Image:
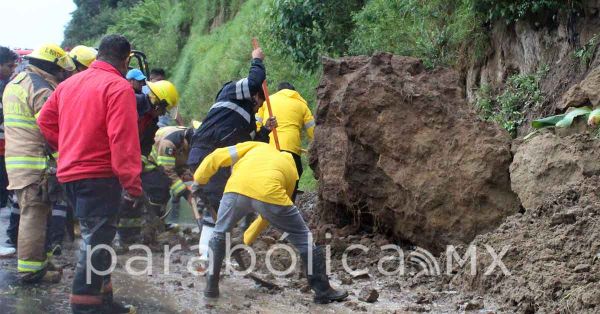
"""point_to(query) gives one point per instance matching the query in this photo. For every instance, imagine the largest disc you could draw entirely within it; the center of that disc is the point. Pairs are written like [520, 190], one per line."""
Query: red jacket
[92, 119]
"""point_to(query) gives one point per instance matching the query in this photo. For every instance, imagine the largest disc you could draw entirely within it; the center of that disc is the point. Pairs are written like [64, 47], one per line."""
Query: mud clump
[554, 246]
[585, 93]
[400, 151]
[544, 164]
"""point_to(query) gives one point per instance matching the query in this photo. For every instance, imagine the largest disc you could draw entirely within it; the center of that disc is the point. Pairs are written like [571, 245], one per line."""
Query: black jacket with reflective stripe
[231, 119]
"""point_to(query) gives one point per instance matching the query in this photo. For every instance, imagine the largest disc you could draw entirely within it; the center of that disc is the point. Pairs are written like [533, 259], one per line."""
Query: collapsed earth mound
[399, 149]
[554, 247]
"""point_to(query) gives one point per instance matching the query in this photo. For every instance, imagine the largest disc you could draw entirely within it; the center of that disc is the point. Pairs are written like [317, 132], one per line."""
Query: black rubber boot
[217, 248]
[109, 305]
[318, 280]
[118, 308]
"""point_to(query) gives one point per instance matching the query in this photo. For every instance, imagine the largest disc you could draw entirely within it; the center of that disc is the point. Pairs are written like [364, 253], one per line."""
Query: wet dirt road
[180, 291]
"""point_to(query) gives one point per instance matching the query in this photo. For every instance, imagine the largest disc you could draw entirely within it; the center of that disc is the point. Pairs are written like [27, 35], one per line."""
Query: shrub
[513, 10]
[307, 29]
[432, 30]
[521, 92]
[586, 53]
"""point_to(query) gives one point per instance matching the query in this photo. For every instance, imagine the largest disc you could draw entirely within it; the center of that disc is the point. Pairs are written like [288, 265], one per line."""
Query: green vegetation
[521, 92]
[92, 18]
[434, 30]
[203, 44]
[586, 53]
[512, 10]
[307, 29]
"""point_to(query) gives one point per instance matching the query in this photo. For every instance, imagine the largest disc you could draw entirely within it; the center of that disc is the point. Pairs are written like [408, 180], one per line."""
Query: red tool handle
[266, 91]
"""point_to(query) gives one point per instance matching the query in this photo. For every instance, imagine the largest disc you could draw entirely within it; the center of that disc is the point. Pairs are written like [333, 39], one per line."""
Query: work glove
[129, 202]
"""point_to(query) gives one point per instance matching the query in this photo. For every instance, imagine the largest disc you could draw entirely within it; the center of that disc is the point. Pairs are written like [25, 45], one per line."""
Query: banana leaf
[547, 121]
[568, 119]
[562, 120]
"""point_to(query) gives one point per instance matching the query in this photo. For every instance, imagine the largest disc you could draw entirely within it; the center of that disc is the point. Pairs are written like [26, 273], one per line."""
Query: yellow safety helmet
[196, 124]
[83, 54]
[54, 54]
[165, 90]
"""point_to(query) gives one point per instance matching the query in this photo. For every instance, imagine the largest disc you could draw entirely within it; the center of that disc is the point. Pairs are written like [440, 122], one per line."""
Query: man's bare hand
[258, 54]
[271, 123]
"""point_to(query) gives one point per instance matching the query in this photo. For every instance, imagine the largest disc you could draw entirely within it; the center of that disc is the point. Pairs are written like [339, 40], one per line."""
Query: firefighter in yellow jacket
[262, 180]
[27, 153]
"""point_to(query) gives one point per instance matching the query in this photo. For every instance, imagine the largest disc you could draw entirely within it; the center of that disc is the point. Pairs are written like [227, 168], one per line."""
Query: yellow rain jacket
[293, 115]
[259, 171]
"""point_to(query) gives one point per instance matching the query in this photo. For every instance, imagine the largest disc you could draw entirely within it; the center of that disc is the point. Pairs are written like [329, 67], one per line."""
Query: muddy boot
[217, 248]
[55, 249]
[318, 280]
[108, 303]
[45, 276]
[116, 307]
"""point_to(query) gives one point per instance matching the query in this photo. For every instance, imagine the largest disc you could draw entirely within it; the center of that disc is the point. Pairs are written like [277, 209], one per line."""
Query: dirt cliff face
[398, 148]
[524, 46]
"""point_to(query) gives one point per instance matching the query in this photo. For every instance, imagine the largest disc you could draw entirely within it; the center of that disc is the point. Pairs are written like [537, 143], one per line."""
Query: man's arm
[248, 86]
[309, 122]
[166, 158]
[222, 157]
[121, 125]
[48, 120]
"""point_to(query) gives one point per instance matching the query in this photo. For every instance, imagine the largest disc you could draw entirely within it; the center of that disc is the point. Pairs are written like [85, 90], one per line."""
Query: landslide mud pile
[399, 149]
[554, 247]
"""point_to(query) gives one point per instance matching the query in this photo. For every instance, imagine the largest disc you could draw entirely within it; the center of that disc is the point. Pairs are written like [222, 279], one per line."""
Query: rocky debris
[418, 308]
[355, 306]
[551, 246]
[582, 268]
[346, 280]
[473, 305]
[399, 150]
[364, 274]
[544, 164]
[368, 294]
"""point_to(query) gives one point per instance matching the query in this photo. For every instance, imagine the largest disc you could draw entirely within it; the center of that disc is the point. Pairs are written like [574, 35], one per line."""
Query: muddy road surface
[177, 288]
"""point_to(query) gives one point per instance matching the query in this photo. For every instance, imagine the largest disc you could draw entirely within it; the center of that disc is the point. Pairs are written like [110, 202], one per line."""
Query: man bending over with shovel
[263, 181]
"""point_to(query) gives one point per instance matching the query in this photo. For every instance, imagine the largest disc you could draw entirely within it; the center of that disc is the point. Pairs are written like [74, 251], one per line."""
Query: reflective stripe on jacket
[231, 118]
[170, 151]
[23, 98]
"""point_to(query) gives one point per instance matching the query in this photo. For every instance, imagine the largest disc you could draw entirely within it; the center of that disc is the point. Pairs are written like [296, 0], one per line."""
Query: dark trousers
[96, 203]
[298, 162]
[55, 227]
[3, 183]
[58, 223]
[13, 225]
